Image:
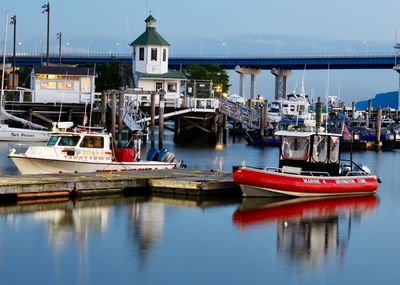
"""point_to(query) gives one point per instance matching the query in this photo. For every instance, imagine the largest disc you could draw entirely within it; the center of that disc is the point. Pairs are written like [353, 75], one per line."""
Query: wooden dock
[179, 181]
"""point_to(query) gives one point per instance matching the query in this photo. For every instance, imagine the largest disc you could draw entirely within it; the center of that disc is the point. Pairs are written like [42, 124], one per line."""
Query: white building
[54, 84]
[150, 63]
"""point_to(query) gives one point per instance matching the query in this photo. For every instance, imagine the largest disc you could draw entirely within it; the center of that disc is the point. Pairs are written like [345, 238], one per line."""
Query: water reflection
[308, 230]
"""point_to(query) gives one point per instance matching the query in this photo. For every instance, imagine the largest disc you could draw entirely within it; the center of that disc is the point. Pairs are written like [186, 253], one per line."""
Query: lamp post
[366, 46]
[46, 9]
[14, 23]
[226, 46]
[59, 37]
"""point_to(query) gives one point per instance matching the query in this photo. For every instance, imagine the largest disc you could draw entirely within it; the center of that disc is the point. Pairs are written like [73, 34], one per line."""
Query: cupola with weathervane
[150, 64]
[150, 50]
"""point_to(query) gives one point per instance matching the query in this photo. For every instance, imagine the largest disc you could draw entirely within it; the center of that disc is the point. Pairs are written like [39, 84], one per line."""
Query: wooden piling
[378, 130]
[121, 104]
[113, 112]
[266, 114]
[353, 110]
[262, 123]
[103, 109]
[161, 120]
[318, 114]
[153, 118]
[224, 129]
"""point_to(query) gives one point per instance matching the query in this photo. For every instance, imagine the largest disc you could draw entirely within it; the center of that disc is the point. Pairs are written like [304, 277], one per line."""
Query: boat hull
[262, 183]
[23, 135]
[27, 166]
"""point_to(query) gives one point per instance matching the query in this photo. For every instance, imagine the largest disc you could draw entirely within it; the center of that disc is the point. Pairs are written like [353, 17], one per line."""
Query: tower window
[154, 54]
[164, 55]
[141, 53]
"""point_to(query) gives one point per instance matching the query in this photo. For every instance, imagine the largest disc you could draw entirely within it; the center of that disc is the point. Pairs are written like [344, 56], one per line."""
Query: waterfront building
[55, 84]
[150, 63]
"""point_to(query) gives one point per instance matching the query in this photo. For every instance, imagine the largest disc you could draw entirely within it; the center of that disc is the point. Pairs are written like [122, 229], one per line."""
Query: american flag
[345, 133]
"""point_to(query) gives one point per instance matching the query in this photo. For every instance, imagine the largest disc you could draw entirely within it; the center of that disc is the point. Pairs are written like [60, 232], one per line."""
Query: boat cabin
[310, 152]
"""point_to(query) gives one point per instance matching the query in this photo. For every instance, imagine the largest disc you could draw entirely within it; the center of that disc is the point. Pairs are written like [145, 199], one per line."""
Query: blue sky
[233, 27]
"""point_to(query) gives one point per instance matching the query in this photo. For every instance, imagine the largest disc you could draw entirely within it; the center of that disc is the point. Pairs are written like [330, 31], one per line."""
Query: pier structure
[281, 76]
[253, 72]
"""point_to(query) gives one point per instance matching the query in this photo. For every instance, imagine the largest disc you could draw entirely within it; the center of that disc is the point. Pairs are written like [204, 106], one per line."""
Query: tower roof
[150, 36]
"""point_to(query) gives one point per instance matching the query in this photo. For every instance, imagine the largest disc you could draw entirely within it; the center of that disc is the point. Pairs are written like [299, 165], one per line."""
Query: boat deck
[181, 181]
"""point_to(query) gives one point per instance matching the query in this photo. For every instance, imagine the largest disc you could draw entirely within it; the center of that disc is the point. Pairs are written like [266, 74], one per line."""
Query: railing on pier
[248, 117]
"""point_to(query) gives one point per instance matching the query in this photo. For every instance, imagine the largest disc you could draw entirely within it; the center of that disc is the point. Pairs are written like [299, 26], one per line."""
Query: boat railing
[315, 173]
[357, 173]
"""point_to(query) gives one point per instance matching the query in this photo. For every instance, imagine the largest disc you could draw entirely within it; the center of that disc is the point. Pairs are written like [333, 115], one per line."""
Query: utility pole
[46, 9]
[59, 37]
[14, 22]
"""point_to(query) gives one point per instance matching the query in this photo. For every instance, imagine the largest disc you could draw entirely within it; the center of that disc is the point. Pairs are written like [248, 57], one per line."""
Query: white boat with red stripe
[83, 151]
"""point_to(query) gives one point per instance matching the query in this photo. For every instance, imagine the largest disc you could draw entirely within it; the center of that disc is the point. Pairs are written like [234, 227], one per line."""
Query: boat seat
[291, 169]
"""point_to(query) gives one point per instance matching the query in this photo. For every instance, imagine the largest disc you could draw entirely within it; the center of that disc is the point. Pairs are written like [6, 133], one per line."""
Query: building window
[141, 53]
[164, 55]
[85, 84]
[159, 85]
[65, 85]
[153, 54]
[48, 85]
[171, 87]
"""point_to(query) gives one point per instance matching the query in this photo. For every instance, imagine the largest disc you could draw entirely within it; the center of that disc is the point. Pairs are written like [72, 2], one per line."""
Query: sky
[216, 27]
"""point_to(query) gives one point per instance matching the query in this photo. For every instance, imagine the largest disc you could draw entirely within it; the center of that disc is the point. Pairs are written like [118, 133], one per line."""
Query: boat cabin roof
[285, 133]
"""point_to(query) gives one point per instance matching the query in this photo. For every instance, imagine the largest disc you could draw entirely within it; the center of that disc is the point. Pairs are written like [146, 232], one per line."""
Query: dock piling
[161, 121]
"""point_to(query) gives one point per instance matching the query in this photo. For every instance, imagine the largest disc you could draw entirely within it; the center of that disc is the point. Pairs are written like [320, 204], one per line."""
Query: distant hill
[381, 100]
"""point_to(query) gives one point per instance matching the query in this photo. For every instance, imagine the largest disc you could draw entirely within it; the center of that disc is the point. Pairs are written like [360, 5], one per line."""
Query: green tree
[208, 72]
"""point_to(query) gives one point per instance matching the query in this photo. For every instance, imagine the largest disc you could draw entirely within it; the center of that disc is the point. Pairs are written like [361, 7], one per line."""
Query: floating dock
[177, 181]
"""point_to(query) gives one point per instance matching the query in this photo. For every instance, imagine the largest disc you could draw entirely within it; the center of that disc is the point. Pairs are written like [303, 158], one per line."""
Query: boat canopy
[310, 147]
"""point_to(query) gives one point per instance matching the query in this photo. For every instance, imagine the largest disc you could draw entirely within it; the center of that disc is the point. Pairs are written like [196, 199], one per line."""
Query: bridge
[283, 61]
[281, 65]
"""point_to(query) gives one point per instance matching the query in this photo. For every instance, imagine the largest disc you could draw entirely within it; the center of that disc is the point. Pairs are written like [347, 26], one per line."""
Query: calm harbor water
[171, 240]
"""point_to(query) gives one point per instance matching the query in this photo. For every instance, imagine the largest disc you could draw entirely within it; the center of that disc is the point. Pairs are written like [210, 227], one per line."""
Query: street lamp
[226, 46]
[59, 37]
[46, 9]
[366, 46]
[14, 23]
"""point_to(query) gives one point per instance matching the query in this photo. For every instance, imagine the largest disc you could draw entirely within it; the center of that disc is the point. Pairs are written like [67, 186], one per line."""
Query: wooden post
[353, 110]
[153, 118]
[224, 129]
[367, 119]
[161, 106]
[113, 113]
[378, 130]
[120, 117]
[103, 108]
[266, 114]
[318, 114]
[262, 123]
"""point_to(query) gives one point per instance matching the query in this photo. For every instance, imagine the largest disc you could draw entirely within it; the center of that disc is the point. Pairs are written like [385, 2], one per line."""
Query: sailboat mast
[4, 62]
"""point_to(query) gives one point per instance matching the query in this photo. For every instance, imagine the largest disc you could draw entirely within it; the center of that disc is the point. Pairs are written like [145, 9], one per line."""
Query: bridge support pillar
[281, 82]
[247, 71]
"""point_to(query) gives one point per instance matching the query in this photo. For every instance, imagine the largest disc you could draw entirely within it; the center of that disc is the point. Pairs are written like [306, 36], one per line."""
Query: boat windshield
[52, 141]
[68, 140]
[334, 149]
[295, 148]
[92, 142]
[320, 149]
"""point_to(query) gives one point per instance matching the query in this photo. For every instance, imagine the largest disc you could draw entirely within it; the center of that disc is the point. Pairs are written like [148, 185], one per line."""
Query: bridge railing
[237, 56]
